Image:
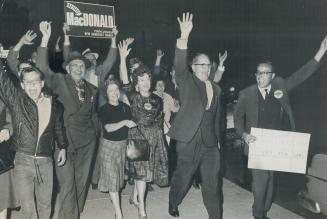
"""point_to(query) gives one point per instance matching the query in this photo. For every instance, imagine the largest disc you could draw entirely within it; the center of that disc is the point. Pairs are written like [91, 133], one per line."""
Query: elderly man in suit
[267, 105]
[195, 127]
[80, 117]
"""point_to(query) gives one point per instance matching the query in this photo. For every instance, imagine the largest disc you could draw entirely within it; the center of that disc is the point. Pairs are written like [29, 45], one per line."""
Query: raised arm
[42, 60]
[8, 91]
[308, 69]
[12, 59]
[123, 53]
[220, 69]
[180, 60]
[103, 69]
[156, 68]
[66, 48]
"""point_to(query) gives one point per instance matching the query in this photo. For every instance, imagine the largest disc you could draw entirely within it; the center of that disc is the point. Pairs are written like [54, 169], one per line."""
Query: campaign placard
[279, 150]
[89, 20]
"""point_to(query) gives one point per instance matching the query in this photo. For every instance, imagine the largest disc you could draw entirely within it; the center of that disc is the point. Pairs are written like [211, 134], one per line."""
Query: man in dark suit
[79, 100]
[267, 105]
[195, 127]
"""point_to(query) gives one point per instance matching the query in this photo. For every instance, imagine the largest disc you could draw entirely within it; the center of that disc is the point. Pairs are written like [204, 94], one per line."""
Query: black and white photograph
[162, 109]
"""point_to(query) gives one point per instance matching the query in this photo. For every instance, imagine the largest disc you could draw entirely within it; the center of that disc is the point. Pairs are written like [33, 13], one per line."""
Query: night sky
[288, 32]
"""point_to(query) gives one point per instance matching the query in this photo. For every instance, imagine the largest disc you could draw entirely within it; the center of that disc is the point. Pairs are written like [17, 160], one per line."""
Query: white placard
[279, 150]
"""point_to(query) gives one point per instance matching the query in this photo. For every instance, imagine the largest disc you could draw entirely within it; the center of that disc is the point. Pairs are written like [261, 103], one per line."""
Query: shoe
[173, 210]
[94, 186]
[150, 188]
[142, 216]
[132, 202]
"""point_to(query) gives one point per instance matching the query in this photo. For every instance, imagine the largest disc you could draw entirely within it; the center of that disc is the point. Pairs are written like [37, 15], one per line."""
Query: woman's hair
[28, 70]
[140, 72]
[107, 83]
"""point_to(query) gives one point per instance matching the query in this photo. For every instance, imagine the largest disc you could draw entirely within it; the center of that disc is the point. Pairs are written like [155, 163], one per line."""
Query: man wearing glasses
[195, 127]
[266, 105]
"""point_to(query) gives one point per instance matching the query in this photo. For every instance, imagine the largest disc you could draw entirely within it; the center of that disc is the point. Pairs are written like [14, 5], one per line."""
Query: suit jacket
[78, 134]
[193, 99]
[246, 110]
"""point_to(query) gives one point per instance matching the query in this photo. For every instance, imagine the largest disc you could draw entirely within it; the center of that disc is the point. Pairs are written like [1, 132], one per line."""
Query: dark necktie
[266, 94]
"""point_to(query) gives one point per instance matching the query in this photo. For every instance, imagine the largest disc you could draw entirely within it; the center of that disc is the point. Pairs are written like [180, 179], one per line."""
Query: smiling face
[160, 87]
[144, 83]
[264, 75]
[113, 93]
[32, 84]
[76, 69]
[201, 66]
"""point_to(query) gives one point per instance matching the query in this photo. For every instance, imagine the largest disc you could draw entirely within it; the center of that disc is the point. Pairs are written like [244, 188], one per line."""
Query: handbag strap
[140, 132]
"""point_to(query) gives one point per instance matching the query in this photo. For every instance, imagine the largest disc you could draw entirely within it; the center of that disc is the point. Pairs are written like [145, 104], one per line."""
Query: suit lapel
[255, 104]
[73, 93]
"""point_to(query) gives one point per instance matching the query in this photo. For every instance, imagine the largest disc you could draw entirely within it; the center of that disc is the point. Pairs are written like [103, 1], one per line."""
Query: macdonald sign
[89, 20]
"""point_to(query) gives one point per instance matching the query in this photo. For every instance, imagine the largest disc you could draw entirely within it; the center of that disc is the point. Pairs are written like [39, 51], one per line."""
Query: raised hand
[27, 38]
[323, 45]
[185, 25]
[222, 58]
[129, 40]
[123, 49]
[160, 53]
[45, 28]
[65, 28]
[115, 31]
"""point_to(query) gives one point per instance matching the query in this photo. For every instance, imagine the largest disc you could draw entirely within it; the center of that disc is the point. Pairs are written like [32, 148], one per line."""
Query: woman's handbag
[6, 157]
[138, 149]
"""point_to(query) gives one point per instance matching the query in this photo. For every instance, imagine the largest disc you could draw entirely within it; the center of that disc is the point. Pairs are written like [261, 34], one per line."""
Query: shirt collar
[262, 90]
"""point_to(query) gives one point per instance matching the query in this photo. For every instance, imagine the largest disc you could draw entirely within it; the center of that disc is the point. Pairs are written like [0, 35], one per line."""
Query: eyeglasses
[263, 73]
[32, 83]
[202, 64]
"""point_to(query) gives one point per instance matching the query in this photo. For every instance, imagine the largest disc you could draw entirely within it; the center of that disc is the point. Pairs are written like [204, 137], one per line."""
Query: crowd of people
[77, 125]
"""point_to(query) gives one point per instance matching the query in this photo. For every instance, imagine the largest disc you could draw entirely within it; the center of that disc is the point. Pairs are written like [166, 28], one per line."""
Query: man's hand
[322, 50]
[129, 123]
[160, 53]
[4, 135]
[129, 40]
[27, 38]
[323, 45]
[185, 25]
[248, 138]
[123, 49]
[115, 31]
[45, 28]
[222, 58]
[61, 157]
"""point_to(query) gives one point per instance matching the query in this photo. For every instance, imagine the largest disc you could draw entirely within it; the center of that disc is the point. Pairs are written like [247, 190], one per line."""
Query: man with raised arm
[79, 100]
[37, 120]
[195, 127]
[266, 105]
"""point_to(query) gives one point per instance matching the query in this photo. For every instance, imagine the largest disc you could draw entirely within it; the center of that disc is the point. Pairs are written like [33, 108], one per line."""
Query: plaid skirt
[112, 161]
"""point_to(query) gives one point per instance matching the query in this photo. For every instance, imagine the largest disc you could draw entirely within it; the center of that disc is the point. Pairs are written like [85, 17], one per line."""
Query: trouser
[34, 180]
[73, 180]
[262, 188]
[190, 157]
[96, 166]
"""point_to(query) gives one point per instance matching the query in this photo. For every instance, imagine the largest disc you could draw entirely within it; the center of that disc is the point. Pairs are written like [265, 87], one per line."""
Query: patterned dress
[147, 113]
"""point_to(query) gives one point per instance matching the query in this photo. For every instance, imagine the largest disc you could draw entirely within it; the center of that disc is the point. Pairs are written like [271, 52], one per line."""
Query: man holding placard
[266, 105]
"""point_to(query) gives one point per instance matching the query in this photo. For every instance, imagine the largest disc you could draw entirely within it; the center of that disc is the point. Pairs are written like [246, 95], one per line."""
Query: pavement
[237, 205]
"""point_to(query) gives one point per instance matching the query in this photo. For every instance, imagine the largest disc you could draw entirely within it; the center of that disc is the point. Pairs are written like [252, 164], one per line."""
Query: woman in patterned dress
[146, 109]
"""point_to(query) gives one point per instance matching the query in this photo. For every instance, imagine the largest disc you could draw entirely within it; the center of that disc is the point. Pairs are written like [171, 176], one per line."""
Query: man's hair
[29, 70]
[196, 57]
[269, 63]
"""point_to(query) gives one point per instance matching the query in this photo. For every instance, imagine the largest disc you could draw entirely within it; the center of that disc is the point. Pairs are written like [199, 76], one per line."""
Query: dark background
[288, 32]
